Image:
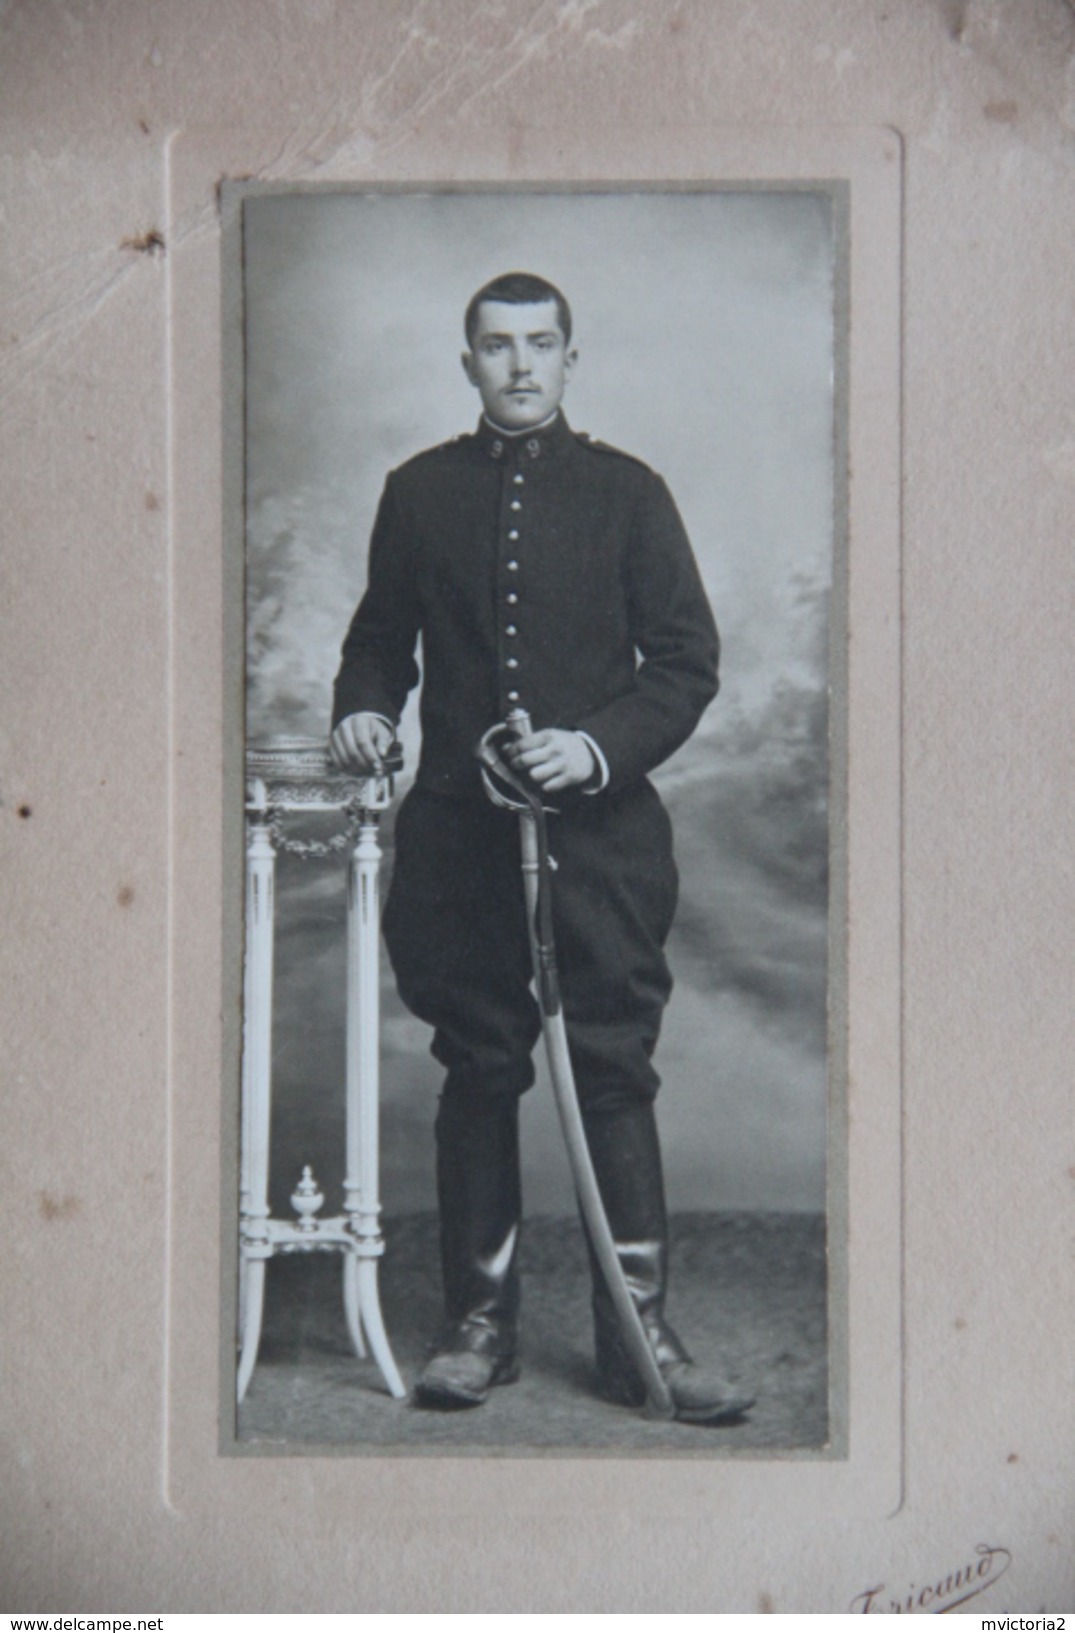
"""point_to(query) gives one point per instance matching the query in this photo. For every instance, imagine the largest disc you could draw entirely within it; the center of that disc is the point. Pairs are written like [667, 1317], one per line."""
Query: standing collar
[519, 447]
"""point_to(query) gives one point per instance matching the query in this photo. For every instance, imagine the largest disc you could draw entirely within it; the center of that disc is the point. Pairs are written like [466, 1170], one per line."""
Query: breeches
[456, 932]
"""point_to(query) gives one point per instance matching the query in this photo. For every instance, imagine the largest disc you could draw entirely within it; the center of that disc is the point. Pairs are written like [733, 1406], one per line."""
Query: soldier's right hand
[360, 742]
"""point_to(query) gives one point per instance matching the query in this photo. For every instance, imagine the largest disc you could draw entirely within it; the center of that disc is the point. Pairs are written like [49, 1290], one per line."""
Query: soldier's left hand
[553, 759]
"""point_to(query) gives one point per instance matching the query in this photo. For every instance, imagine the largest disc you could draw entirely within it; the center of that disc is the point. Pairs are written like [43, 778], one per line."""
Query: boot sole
[720, 1412]
[443, 1398]
[731, 1412]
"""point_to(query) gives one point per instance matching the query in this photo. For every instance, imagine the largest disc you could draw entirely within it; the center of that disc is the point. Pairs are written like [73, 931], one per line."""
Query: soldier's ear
[467, 360]
[570, 359]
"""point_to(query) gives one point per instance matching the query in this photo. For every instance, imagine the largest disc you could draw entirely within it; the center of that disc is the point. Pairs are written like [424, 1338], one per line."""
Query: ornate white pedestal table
[291, 777]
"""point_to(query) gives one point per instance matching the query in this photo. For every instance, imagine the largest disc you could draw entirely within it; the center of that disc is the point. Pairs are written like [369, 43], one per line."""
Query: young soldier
[547, 573]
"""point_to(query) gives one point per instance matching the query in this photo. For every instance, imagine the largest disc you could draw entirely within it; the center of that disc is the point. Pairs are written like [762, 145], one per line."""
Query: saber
[537, 885]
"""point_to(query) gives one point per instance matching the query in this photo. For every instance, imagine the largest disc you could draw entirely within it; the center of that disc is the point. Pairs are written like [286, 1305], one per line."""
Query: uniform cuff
[386, 719]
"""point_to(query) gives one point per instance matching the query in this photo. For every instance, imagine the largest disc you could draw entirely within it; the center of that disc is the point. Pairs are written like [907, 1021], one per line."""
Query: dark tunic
[550, 573]
[537, 571]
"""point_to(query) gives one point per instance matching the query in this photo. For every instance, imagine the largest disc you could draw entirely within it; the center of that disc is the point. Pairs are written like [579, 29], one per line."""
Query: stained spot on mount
[125, 895]
[152, 502]
[957, 19]
[57, 1207]
[145, 243]
[1002, 113]
[25, 811]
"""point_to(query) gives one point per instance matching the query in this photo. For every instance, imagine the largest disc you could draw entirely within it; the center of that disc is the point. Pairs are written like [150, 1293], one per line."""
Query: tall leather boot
[478, 1193]
[626, 1155]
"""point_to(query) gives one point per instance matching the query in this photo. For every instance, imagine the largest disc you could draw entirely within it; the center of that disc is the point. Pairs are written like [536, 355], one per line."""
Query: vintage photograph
[600, 1148]
[542, 1061]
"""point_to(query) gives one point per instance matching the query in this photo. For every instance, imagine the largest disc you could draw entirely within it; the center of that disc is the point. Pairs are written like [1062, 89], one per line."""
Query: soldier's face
[520, 363]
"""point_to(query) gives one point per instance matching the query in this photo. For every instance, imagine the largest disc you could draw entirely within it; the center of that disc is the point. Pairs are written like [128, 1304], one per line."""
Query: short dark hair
[518, 289]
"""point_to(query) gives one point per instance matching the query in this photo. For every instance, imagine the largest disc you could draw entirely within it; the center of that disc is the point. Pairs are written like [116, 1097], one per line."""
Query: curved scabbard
[537, 884]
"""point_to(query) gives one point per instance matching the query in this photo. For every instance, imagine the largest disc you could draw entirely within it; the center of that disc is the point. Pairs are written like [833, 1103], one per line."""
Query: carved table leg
[360, 1198]
[254, 1245]
[350, 1303]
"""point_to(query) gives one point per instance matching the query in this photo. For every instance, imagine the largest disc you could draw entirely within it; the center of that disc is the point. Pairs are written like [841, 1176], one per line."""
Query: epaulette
[606, 448]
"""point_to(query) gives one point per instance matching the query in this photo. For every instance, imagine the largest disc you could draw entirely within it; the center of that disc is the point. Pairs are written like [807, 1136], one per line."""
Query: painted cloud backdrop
[704, 327]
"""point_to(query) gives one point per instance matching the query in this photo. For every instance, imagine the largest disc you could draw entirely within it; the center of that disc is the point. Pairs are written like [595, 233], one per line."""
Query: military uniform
[547, 572]
[534, 567]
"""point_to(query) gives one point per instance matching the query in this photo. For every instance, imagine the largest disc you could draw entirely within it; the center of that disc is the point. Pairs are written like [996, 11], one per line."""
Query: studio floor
[748, 1291]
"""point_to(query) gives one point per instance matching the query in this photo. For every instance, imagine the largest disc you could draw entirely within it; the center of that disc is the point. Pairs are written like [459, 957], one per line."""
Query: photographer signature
[944, 1594]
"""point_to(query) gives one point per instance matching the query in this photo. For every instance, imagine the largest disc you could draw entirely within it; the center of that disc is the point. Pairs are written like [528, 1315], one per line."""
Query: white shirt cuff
[599, 761]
